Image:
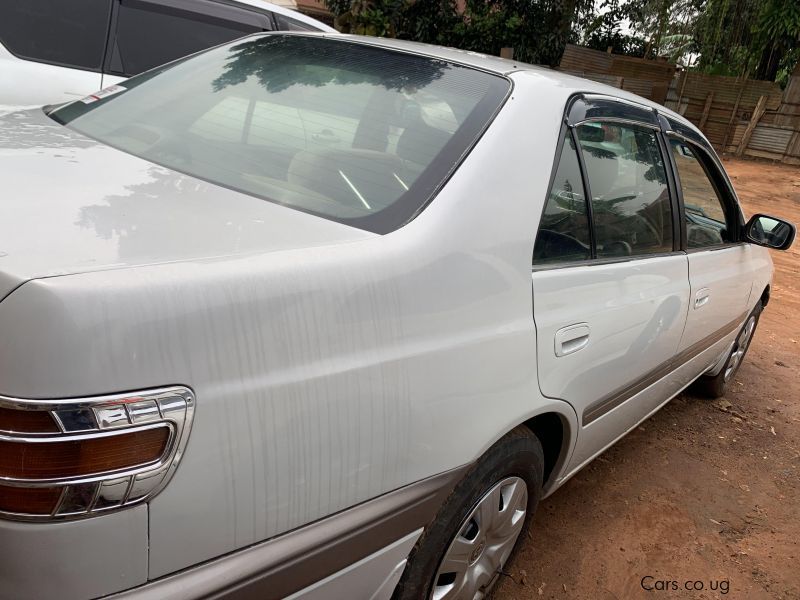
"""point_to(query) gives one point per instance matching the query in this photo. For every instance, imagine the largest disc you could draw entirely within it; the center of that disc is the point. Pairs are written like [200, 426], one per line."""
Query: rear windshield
[343, 130]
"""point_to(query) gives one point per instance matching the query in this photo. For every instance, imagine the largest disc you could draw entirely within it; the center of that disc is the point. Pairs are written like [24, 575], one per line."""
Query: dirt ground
[704, 493]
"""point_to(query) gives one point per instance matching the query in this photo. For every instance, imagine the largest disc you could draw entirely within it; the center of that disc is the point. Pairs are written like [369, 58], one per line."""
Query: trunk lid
[70, 204]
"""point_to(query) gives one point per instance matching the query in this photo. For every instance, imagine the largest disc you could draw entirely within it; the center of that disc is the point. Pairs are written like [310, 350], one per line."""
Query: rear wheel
[465, 549]
[715, 386]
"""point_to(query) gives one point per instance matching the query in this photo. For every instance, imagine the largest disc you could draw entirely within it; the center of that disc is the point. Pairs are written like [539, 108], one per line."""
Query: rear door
[610, 283]
[719, 271]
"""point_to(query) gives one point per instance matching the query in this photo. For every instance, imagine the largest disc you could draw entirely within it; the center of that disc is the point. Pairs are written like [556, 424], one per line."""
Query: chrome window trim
[171, 407]
[716, 247]
[591, 262]
[618, 120]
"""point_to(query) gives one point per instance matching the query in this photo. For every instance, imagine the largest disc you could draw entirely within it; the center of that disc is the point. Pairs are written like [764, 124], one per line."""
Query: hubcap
[740, 347]
[483, 543]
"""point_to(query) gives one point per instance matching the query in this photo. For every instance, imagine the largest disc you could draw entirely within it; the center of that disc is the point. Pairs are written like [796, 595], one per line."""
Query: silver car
[317, 316]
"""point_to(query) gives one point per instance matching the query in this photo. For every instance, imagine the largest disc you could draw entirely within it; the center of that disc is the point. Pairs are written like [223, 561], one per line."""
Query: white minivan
[55, 51]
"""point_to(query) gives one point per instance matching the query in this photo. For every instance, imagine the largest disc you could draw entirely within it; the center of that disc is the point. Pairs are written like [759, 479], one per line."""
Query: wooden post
[706, 110]
[685, 76]
[507, 53]
[792, 154]
[731, 124]
[757, 114]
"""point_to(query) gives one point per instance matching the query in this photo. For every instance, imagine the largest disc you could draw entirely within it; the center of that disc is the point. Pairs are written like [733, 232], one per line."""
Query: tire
[514, 463]
[715, 386]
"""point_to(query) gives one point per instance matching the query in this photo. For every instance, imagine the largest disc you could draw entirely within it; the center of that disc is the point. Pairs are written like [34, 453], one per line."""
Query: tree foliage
[756, 38]
[537, 30]
[600, 27]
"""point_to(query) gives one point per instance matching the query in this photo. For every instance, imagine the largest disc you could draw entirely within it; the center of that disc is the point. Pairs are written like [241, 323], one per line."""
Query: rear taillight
[75, 458]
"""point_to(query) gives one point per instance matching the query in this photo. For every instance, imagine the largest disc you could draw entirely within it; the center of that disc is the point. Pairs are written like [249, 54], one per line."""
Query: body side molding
[599, 408]
[295, 560]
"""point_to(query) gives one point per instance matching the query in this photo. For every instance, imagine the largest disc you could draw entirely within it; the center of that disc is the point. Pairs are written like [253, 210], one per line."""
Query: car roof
[501, 66]
[288, 12]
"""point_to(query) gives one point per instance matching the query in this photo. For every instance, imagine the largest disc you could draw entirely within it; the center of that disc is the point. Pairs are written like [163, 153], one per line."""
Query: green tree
[368, 17]
[776, 37]
[662, 25]
[537, 30]
[599, 26]
[758, 38]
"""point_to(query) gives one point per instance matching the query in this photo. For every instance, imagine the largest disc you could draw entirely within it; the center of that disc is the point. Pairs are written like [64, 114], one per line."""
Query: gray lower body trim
[295, 560]
[608, 403]
[374, 577]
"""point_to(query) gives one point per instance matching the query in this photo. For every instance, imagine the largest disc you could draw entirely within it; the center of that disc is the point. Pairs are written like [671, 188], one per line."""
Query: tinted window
[151, 35]
[564, 228]
[628, 182]
[288, 24]
[56, 31]
[354, 133]
[705, 212]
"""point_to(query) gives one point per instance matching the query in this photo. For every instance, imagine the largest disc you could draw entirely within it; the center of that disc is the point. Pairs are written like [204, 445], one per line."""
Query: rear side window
[706, 223]
[564, 230]
[149, 35]
[68, 33]
[631, 208]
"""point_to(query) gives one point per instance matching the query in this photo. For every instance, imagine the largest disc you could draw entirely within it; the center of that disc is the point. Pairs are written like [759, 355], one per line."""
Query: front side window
[564, 228]
[149, 35]
[350, 132]
[632, 212]
[703, 206]
[71, 34]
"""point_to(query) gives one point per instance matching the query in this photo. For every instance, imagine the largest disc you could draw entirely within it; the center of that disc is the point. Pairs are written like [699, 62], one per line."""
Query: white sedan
[319, 316]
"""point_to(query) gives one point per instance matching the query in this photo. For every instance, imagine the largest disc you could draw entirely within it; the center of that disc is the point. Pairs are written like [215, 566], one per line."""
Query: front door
[719, 270]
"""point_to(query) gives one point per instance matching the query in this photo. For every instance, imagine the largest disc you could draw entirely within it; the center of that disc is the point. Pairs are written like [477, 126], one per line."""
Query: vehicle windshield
[347, 131]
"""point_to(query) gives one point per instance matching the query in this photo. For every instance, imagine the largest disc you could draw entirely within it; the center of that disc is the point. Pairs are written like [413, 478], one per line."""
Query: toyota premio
[316, 316]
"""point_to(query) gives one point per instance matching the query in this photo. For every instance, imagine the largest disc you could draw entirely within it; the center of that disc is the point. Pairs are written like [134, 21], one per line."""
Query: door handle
[571, 339]
[702, 297]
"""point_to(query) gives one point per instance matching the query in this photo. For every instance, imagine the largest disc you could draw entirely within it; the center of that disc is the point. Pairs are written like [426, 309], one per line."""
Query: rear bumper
[74, 560]
[357, 553]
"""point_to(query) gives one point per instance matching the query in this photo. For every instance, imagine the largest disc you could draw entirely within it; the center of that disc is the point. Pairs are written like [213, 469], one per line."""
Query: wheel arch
[765, 296]
[555, 434]
[556, 425]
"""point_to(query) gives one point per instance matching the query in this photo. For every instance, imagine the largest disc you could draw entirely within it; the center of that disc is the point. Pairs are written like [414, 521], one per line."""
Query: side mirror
[770, 232]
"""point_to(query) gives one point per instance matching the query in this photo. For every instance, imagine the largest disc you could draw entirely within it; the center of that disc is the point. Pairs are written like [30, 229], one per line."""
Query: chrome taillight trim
[102, 416]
